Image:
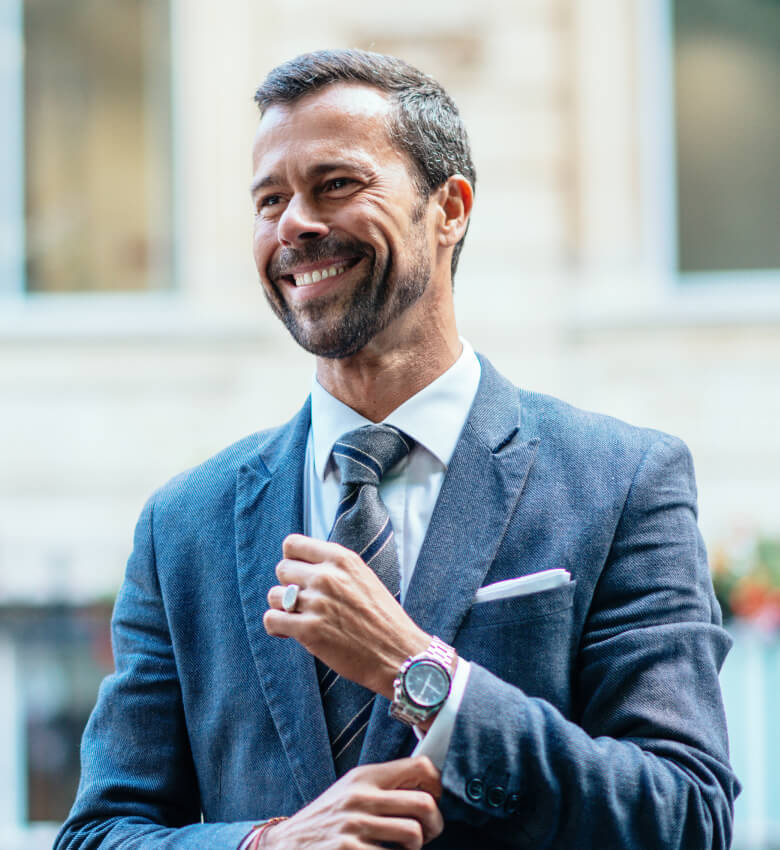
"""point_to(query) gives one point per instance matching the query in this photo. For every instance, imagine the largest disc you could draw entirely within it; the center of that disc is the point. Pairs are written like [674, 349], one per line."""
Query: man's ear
[455, 198]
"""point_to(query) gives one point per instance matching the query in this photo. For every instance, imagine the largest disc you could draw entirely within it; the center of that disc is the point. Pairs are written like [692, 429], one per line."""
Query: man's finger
[281, 624]
[397, 832]
[419, 805]
[290, 571]
[412, 773]
[422, 774]
[299, 547]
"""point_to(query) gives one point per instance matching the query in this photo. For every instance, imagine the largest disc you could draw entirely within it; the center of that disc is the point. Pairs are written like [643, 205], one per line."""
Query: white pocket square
[521, 586]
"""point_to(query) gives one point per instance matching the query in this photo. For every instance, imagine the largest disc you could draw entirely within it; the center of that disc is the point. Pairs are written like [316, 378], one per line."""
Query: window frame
[642, 286]
[656, 40]
[213, 295]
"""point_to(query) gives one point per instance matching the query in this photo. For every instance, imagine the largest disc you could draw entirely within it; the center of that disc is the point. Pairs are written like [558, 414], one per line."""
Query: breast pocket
[525, 640]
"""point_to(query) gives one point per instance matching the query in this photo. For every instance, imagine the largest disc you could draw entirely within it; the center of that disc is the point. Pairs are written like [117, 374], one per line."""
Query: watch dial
[426, 683]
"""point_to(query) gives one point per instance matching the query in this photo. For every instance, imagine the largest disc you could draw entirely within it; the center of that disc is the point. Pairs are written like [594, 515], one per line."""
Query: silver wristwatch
[423, 684]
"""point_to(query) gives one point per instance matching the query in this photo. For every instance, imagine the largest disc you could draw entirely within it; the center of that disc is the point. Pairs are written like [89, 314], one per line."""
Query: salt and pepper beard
[376, 300]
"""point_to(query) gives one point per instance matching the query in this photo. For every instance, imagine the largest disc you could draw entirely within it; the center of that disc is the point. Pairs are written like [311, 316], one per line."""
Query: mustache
[314, 252]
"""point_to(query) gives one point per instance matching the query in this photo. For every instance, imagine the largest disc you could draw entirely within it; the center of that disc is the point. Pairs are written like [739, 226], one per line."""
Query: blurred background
[624, 254]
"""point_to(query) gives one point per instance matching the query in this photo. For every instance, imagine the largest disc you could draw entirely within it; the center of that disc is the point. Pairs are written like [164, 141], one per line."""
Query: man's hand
[344, 614]
[394, 802]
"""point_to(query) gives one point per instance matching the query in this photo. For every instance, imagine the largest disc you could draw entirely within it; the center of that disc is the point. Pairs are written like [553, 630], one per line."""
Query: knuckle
[357, 798]
[319, 582]
[350, 559]
[358, 772]
[428, 806]
[435, 822]
[413, 834]
[427, 767]
[357, 824]
[326, 582]
[315, 603]
[339, 552]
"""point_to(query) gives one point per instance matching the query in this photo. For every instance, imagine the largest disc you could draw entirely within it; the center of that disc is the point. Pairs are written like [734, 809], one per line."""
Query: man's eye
[267, 205]
[338, 183]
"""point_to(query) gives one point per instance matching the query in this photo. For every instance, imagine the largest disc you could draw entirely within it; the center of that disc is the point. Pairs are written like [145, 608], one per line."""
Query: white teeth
[316, 276]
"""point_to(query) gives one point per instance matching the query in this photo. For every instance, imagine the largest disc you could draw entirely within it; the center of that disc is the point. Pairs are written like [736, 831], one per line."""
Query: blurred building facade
[624, 254]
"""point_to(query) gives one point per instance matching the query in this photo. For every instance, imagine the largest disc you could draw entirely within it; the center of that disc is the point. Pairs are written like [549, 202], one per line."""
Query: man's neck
[374, 382]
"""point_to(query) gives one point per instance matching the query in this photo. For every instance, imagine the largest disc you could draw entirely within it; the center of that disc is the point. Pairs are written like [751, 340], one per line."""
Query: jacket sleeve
[138, 785]
[643, 762]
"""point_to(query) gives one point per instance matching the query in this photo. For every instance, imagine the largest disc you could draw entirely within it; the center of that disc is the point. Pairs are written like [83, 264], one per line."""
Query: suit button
[512, 804]
[475, 789]
[496, 796]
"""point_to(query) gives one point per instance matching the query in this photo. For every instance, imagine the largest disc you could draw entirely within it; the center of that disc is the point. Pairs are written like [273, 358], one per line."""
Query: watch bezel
[403, 706]
[440, 668]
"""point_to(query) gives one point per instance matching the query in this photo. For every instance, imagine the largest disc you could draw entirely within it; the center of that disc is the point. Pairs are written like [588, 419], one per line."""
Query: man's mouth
[315, 275]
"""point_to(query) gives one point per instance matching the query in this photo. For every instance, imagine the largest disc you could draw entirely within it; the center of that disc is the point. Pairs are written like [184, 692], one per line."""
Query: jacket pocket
[516, 609]
[526, 640]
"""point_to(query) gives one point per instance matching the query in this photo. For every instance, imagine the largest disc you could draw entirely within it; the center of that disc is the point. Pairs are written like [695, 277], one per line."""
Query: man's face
[343, 239]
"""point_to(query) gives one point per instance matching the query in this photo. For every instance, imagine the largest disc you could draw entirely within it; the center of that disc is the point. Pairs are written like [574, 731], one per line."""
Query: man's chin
[333, 345]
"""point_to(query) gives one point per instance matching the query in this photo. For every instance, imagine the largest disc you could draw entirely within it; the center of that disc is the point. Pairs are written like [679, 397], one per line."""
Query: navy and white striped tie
[362, 524]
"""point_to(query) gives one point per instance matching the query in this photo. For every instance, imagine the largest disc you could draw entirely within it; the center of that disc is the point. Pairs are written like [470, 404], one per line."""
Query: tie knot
[364, 455]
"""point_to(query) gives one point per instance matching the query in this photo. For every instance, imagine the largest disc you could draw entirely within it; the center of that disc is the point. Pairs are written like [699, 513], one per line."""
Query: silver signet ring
[290, 597]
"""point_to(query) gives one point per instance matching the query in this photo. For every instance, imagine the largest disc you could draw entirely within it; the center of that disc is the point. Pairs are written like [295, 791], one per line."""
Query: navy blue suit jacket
[592, 717]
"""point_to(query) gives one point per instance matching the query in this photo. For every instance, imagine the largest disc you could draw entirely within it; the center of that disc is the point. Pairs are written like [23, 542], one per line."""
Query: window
[726, 58]
[60, 654]
[97, 162]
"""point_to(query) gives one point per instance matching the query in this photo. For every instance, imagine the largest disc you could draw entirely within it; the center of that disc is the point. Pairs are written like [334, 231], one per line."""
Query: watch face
[426, 683]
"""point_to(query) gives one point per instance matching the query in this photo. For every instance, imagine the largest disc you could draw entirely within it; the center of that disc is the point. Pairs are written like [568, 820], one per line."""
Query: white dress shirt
[434, 418]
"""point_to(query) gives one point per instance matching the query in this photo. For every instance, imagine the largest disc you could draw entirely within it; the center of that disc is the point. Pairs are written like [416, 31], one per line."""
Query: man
[575, 706]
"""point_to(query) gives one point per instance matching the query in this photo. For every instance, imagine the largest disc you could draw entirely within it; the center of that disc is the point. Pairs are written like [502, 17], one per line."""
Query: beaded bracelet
[260, 830]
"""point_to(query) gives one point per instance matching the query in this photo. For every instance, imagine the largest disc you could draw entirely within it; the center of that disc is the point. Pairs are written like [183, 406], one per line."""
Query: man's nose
[299, 222]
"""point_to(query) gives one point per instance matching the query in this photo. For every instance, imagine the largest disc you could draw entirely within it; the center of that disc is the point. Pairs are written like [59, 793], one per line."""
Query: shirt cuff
[247, 838]
[436, 741]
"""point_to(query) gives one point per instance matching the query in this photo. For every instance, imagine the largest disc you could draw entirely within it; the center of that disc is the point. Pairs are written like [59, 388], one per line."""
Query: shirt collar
[434, 416]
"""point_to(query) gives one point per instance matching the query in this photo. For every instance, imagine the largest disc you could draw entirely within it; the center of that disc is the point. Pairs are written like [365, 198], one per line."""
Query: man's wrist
[256, 838]
[412, 645]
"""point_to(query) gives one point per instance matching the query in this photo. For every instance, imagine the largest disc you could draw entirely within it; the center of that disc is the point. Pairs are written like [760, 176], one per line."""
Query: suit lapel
[269, 506]
[479, 494]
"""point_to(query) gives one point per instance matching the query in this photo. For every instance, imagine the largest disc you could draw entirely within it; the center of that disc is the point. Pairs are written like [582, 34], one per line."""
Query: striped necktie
[362, 524]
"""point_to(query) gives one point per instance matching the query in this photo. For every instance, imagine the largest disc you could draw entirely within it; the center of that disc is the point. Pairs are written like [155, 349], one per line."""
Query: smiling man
[342, 241]
[431, 608]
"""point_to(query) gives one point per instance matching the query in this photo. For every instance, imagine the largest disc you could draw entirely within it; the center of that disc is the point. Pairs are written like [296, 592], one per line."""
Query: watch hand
[427, 684]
